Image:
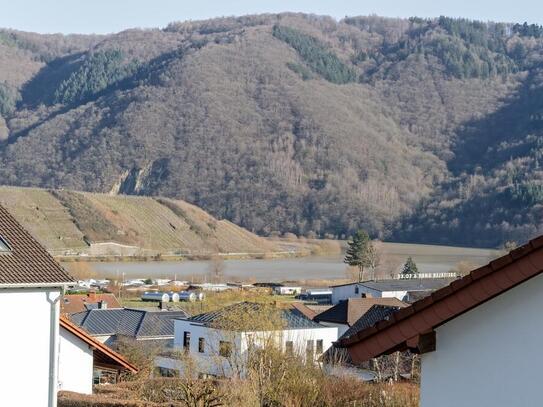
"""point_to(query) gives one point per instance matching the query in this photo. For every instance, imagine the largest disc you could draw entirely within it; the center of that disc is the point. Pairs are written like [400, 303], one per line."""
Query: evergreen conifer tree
[410, 267]
[360, 252]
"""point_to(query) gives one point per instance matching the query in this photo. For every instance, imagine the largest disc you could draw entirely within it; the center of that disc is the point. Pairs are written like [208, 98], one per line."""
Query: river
[428, 259]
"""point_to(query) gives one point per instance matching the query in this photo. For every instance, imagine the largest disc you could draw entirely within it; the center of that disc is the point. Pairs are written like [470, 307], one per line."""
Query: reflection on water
[304, 268]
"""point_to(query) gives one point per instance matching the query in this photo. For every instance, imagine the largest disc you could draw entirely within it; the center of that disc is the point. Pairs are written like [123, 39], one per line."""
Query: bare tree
[216, 269]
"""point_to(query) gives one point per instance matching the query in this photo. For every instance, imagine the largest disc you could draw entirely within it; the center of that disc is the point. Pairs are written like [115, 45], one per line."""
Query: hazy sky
[104, 16]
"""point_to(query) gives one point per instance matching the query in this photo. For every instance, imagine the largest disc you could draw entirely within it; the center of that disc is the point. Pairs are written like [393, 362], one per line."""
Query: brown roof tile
[73, 303]
[27, 262]
[447, 303]
[305, 310]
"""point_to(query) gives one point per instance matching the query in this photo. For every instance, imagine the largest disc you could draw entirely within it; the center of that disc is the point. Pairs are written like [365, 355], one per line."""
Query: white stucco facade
[489, 356]
[75, 364]
[210, 362]
[344, 292]
[341, 328]
[26, 319]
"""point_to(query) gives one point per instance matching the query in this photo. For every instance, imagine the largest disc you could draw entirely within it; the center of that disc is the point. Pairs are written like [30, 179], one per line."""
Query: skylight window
[4, 246]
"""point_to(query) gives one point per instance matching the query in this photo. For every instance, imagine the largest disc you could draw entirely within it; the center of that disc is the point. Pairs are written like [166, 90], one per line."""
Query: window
[319, 346]
[165, 372]
[104, 376]
[186, 340]
[356, 289]
[225, 349]
[4, 246]
[309, 350]
[289, 347]
[201, 345]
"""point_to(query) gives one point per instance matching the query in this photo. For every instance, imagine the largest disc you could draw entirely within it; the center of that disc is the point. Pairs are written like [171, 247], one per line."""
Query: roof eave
[39, 285]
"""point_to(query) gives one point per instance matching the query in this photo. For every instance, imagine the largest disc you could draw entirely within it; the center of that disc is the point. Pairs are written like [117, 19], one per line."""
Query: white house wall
[75, 364]
[490, 356]
[343, 292]
[349, 291]
[26, 325]
[341, 328]
[210, 362]
[394, 294]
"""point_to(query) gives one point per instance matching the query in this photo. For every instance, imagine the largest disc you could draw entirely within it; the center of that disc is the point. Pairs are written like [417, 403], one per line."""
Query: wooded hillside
[423, 130]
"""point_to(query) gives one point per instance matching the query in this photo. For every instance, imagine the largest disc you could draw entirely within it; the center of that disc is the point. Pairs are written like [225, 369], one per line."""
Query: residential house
[347, 312]
[479, 337]
[31, 287]
[218, 351]
[398, 288]
[85, 361]
[337, 360]
[72, 303]
[110, 325]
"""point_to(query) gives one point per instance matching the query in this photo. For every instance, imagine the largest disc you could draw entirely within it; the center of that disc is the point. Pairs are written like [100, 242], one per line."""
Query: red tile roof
[305, 310]
[101, 352]
[26, 262]
[73, 303]
[405, 327]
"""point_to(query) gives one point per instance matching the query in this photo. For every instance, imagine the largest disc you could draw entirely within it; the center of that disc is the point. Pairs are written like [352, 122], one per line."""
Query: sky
[106, 16]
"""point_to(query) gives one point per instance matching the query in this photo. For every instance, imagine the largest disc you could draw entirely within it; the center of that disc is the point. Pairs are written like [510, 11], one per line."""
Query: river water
[428, 259]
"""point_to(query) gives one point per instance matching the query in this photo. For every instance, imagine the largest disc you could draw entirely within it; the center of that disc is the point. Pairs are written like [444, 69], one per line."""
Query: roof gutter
[39, 285]
[53, 347]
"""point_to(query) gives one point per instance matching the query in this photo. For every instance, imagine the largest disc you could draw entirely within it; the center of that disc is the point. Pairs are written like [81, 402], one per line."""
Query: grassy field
[67, 221]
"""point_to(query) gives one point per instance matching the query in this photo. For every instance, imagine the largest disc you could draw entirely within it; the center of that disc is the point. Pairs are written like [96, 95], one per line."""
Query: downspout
[53, 348]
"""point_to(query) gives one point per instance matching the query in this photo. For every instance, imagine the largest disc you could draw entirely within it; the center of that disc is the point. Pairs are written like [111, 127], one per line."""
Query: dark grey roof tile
[128, 322]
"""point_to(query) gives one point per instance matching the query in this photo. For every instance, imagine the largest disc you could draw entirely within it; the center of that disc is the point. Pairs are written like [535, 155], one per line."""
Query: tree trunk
[396, 366]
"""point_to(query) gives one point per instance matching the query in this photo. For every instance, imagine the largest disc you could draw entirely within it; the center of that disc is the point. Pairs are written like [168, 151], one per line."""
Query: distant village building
[210, 287]
[398, 288]
[479, 337]
[31, 286]
[213, 348]
[84, 361]
[287, 290]
[318, 295]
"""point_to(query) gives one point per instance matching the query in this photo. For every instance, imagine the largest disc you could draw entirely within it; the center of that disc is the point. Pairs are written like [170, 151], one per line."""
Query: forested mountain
[424, 130]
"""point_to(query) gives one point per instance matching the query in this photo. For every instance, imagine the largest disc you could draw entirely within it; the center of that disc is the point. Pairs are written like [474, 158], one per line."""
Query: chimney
[102, 304]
